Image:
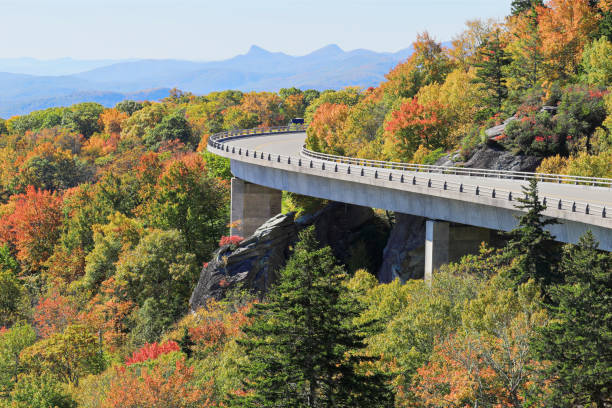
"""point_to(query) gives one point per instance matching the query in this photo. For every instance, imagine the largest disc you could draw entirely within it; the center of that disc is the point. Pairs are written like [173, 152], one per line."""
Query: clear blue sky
[212, 30]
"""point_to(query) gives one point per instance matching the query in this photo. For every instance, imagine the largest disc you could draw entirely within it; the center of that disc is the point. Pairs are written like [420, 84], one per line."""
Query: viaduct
[266, 162]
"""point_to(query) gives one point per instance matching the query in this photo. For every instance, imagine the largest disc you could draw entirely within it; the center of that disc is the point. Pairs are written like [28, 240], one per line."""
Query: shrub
[230, 240]
[150, 351]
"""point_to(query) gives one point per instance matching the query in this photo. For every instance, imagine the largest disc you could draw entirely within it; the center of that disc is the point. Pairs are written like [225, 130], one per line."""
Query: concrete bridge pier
[252, 205]
[437, 246]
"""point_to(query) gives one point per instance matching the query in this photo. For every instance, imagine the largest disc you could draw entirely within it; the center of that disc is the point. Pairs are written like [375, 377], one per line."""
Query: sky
[207, 30]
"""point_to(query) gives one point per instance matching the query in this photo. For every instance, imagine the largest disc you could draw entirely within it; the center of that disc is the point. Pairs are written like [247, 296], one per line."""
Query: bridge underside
[407, 202]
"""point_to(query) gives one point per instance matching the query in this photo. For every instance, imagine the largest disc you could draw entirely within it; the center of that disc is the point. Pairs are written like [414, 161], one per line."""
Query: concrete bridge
[267, 161]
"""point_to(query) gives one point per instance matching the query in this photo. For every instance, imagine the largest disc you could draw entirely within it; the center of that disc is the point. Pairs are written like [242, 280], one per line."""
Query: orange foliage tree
[266, 105]
[565, 27]
[163, 386]
[53, 313]
[33, 227]
[325, 130]
[414, 124]
[109, 313]
[111, 120]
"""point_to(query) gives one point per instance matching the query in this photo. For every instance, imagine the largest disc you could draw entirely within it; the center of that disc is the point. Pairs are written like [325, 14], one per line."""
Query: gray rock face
[499, 129]
[253, 264]
[493, 158]
[404, 255]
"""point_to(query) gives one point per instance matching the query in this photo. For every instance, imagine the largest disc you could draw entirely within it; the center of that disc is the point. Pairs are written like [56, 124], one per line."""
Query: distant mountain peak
[257, 50]
[328, 50]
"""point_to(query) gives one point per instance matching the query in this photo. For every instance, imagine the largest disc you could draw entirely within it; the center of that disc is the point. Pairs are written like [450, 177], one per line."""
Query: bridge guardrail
[396, 171]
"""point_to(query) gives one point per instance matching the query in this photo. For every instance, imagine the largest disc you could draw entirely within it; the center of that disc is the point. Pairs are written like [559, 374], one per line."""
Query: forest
[107, 216]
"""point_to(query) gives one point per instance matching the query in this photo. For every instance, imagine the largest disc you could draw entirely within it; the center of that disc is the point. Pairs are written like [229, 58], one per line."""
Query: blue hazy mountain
[109, 82]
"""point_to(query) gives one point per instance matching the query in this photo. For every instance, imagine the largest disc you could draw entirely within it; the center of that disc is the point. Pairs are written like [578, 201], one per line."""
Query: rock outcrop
[253, 264]
[404, 255]
[497, 158]
[492, 157]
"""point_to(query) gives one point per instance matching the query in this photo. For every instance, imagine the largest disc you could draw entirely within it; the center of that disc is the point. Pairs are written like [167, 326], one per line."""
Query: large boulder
[404, 255]
[253, 264]
[497, 158]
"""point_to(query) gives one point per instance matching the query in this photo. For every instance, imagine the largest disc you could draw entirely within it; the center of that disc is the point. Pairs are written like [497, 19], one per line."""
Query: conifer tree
[519, 6]
[489, 70]
[531, 244]
[578, 340]
[303, 348]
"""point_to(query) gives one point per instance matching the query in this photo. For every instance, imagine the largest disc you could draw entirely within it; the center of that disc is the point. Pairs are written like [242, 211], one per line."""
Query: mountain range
[27, 84]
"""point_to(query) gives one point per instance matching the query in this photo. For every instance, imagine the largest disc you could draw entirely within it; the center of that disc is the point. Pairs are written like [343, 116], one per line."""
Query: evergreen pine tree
[519, 6]
[578, 340]
[527, 66]
[489, 73]
[302, 346]
[531, 244]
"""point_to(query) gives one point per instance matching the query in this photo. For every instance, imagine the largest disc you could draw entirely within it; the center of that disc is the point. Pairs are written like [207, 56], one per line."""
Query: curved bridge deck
[277, 160]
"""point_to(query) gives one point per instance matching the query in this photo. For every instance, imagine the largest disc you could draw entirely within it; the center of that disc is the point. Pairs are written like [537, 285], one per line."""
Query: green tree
[34, 391]
[12, 342]
[67, 356]
[302, 346]
[160, 267]
[489, 73]
[171, 127]
[191, 200]
[128, 107]
[83, 118]
[532, 245]
[597, 63]
[12, 299]
[578, 340]
[520, 6]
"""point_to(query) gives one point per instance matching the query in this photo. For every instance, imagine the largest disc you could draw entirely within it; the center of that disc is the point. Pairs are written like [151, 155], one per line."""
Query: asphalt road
[290, 144]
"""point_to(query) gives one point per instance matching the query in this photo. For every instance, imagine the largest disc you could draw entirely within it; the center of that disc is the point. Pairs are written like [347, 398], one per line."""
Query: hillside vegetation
[107, 216]
[556, 55]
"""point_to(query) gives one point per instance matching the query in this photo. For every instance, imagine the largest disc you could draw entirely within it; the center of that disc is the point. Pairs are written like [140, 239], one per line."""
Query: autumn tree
[267, 107]
[67, 356]
[111, 121]
[565, 27]
[33, 227]
[325, 130]
[53, 314]
[414, 124]
[165, 385]
[191, 200]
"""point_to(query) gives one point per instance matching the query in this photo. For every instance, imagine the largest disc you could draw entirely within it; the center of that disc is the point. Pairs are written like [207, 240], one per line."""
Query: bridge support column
[252, 205]
[437, 237]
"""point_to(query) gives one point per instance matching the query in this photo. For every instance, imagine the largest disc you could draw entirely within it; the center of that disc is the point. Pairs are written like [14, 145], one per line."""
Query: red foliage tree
[53, 313]
[414, 124]
[33, 227]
